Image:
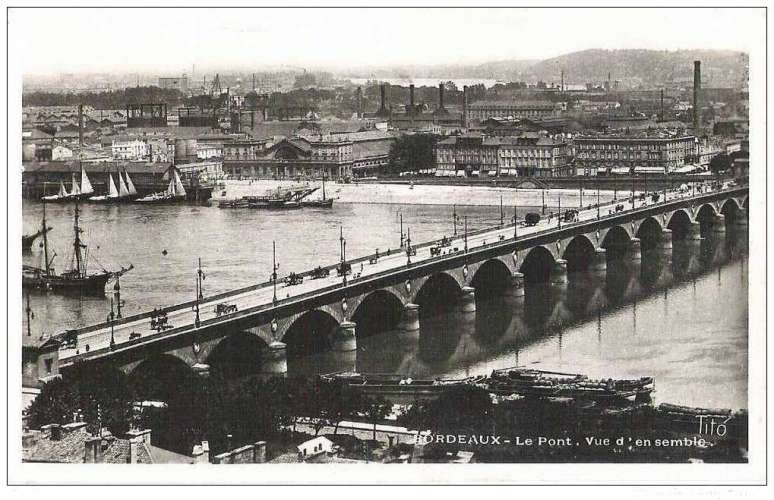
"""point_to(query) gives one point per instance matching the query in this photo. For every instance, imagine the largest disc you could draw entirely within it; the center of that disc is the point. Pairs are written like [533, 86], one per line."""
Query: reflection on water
[681, 318]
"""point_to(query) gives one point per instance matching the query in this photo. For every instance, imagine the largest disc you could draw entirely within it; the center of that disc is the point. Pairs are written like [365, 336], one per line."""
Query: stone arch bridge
[500, 260]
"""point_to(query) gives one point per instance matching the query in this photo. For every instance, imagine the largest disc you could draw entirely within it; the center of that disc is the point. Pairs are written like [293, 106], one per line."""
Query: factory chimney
[465, 106]
[411, 99]
[382, 91]
[696, 97]
[661, 115]
[562, 80]
[80, 125]
[440, 96]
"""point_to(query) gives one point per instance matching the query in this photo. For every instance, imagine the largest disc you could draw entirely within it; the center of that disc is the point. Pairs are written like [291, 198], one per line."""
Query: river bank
[405, 194]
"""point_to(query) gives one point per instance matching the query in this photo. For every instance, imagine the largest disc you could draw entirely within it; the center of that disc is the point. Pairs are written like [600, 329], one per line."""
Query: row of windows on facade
[637, 147]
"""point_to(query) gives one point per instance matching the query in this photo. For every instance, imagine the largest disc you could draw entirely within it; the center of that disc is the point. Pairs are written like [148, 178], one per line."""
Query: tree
[375, 409]
[411, 153]
[720, 163]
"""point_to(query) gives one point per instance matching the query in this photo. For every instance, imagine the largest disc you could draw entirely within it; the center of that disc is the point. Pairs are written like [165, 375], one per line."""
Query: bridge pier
[559, 272]
[201, 369]
[635, 252]
[409, 321]
[694, 232]
[517, 285]
[741, 218]
[719, 225]
[275, 359]
[599, 262]
[468, 299]
[666, 239]
[344, 339]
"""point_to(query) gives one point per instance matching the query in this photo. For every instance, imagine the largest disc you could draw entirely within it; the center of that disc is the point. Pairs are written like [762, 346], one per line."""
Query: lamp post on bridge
[515, 223]
[559, 217]
[274, 268]
[29, 315]
[117, 290]
[343, 243]
[502, 215]
[597, 199]
[408, 248]
[111, 319]
[455, 217]
[401, 230]
[199, 296]
[466, 234]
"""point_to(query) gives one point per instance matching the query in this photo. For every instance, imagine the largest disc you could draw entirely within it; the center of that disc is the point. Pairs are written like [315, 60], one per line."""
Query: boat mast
[77, 245]
[45, 241]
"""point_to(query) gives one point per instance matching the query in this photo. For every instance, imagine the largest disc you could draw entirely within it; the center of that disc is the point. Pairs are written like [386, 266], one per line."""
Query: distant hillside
[720, 68]
[632, 67]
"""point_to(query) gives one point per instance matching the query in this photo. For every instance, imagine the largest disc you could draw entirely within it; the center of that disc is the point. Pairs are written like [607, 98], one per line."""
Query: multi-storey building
[480, 111]
[527, 155]
[652, 151]
[466, 155]
[132, 149]
[335, 156]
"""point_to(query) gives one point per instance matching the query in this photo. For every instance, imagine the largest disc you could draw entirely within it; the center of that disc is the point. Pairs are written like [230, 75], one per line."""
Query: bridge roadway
[259, 297]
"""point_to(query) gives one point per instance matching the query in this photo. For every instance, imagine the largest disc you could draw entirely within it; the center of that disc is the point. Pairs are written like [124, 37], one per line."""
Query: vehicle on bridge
[531, 219]
[294, 279]
[570, 215]
[223, 309]
[619, 207]
[159, 321]
[343, 268]
[320, 272]
[655, 197]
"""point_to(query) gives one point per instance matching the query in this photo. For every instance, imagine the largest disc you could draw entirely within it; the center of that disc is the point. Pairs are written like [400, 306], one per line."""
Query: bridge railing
[390, 252]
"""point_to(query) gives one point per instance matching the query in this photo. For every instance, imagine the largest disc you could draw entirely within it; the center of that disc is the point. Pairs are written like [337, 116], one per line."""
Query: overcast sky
[171, 40]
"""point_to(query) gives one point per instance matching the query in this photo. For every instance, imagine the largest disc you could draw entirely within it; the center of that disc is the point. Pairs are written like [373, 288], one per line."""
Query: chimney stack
[465, 106]
[662, 105]
[80, 125]
[440, 96]
[383, 91]
[696, 97]
[411, 99]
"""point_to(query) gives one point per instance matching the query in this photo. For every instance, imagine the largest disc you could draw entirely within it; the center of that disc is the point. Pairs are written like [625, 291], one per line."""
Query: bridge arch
[236, 355]
[493, 277]
[616, 242]
[377, 312]
[309, 333]
[537, 265]
[705, 216]
[649, 233]
[579, 253]
[680, 224]
[439, 293]
[160, 377]
[730, 209]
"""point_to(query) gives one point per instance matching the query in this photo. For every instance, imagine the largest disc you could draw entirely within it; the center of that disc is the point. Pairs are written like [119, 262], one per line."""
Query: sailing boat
[319, 203]
[112, 194]
[86, 188]
[28, 240]
[77, 278]
[62, 195]
[130, 185]
[175, 192]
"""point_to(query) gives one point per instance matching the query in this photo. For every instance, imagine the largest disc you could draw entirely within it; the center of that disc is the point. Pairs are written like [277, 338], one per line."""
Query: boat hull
[93, 284]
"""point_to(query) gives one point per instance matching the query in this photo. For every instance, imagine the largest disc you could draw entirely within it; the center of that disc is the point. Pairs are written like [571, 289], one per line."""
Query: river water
[682, 319]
